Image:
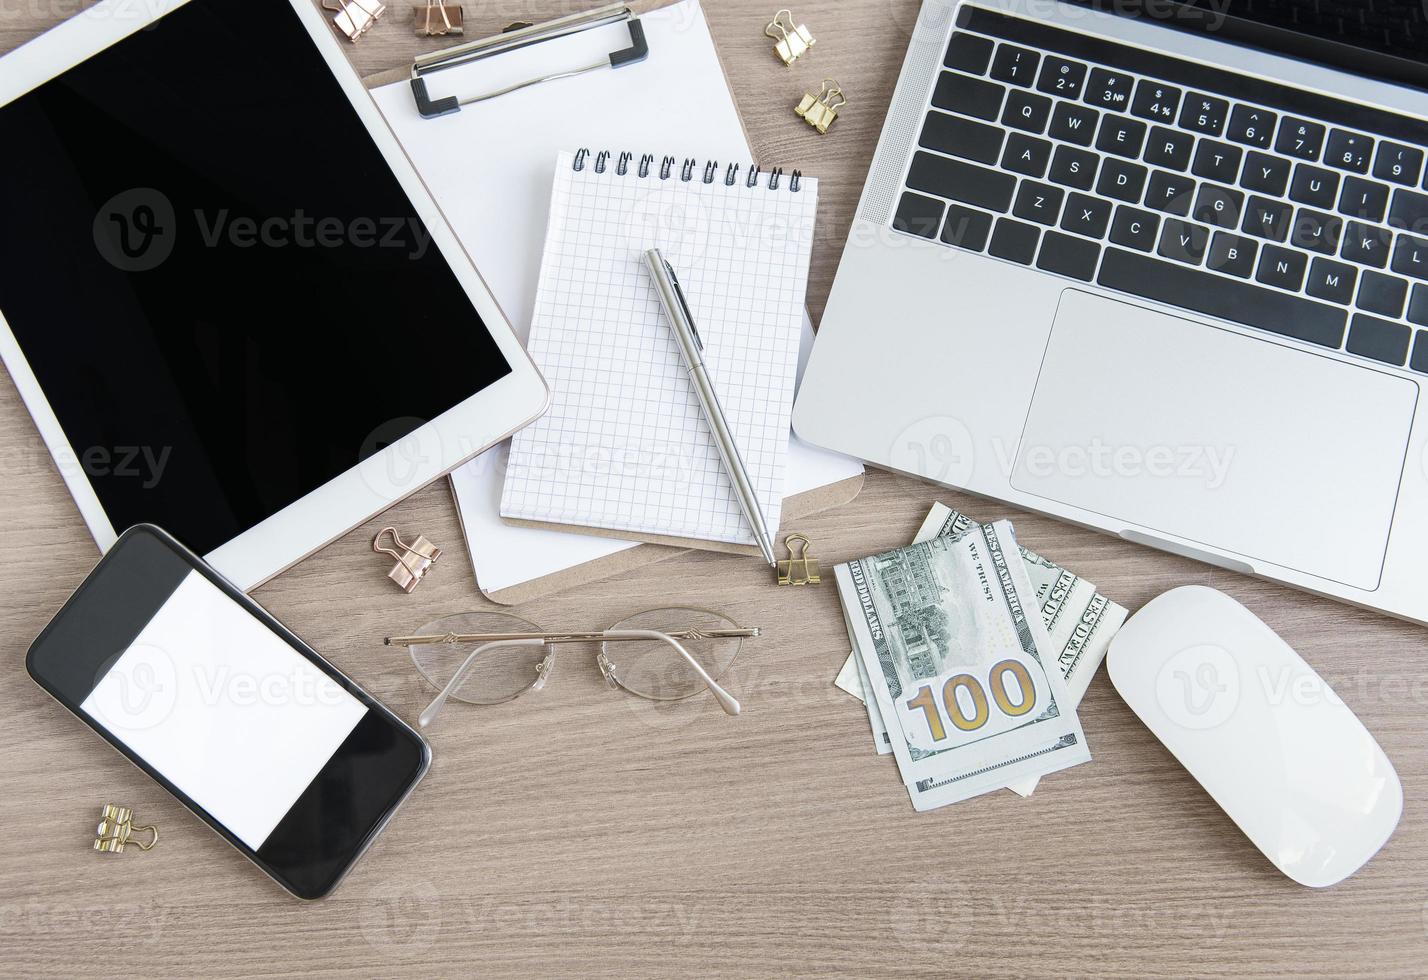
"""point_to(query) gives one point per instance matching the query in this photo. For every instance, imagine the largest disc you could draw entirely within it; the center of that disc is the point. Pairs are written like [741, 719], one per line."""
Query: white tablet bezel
[432, 450]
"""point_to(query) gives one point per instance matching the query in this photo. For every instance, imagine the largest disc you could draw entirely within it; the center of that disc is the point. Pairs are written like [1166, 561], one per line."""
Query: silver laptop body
[1257, 412]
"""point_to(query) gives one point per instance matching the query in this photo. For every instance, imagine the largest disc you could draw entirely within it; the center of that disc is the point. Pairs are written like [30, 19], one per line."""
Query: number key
[1014, 65]
[1349, 151]
[1061, 77]
[1251, 126]
[1300, 138]
[1109, 89]
[1204, 114]
[1397, 163]
[1155, 102]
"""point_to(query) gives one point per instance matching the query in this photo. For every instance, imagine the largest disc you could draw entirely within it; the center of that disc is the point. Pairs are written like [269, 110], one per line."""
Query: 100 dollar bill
[958, 660]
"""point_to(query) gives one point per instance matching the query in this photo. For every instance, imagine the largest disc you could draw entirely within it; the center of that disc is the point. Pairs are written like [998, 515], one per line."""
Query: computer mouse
[1269, 740]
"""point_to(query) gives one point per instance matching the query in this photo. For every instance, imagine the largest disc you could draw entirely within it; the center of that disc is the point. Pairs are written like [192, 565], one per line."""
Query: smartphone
[268, 743]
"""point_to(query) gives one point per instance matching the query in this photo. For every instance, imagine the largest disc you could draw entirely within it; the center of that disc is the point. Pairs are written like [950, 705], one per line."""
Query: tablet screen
[223, 290]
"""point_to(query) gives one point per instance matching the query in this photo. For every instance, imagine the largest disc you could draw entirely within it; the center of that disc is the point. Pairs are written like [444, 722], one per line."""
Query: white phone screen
[224, 709]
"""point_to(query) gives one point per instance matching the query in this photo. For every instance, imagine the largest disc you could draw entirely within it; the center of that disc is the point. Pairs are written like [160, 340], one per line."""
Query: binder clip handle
[791, 41]
[800, 567]
[414, 560]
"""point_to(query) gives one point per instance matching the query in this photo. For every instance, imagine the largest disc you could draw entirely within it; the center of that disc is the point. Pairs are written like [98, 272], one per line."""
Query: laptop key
[1086, 215]
[918, 215]
[1267, 219]
[1014, 241]
[958, 181]
[1204, 114]
[967, 95]
[1316, 231]
[1073, 123]
[1418, 312]
[1218, 206]
[966, 228]
[1281, 267]
[1169, 148]
[1379, 339]
[1217, 161]
[1252, 126]
[1073, 167]
[969, 53]
[1232, 254]
[1397, 163]
[1410, 256]
[1135, 228]
[1419, 361]
[1300, 138]
[1331, 280]
[1120, 136]
[1229, 299]
[1026, 110]
[1313, 186]
[961, 137]
[1154, 101]
[1061, 77]
[1264, 173]
[1382, 294]
[1366, 199]
[1121, 180]
[1349, 151]
[1015, 66]
[1038, 202]
[1068, 256]
[1183, 241]
[1026, 155]
[1109, 89]
[1170, 192]
[1365, 244]
[1409, 211]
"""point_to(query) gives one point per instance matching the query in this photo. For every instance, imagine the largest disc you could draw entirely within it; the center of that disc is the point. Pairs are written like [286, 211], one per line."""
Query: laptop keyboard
[1180, 183]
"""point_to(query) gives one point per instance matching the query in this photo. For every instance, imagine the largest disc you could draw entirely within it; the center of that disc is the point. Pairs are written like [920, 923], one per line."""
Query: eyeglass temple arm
[430, 712]
[726, 700]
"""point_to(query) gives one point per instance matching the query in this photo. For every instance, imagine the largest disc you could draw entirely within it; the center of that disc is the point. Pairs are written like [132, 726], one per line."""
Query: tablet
[225, 296]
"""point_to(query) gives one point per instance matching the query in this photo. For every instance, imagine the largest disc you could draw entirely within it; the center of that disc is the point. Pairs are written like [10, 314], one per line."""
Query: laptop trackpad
[1231, 441]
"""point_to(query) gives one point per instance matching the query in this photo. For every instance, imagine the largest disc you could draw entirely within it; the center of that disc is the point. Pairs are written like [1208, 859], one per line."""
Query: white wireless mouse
[1262, 732]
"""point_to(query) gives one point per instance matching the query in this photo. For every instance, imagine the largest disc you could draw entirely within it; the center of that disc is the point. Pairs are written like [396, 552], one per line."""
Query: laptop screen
[225, 293]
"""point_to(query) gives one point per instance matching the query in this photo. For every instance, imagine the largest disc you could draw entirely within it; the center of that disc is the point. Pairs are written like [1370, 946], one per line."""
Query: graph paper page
[625, 446]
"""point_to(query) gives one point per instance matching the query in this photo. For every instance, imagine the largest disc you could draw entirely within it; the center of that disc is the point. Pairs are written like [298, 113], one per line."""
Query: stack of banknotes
[971, 655]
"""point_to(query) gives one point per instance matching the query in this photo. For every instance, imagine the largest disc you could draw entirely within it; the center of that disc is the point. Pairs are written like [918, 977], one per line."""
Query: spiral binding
[688, 170]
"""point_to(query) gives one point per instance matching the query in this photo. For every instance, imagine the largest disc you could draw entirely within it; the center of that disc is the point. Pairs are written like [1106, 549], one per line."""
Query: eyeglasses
[491, 658]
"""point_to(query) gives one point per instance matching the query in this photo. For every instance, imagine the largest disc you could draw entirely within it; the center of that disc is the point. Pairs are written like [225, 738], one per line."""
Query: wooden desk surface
[584, 831]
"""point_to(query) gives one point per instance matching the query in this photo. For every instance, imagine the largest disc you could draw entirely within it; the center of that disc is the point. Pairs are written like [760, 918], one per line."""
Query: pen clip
[684, 305]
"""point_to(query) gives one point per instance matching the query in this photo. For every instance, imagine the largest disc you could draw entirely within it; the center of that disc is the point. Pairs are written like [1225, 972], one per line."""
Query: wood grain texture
[581, 831]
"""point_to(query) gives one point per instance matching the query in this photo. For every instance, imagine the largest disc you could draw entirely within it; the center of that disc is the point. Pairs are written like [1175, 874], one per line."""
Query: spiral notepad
[624, 448]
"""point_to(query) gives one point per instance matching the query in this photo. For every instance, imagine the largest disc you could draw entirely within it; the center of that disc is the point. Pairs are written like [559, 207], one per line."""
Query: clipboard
[683, 21]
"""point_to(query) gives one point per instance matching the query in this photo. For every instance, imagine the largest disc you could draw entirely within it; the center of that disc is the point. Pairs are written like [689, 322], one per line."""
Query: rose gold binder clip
[353, 18]
[413, 560]
[437, 19]
[116, 824]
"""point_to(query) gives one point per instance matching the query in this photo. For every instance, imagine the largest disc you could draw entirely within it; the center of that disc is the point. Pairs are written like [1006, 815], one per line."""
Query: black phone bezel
[304, 879]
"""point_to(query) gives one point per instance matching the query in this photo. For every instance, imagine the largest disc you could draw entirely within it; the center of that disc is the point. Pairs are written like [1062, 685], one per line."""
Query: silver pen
[681, 321]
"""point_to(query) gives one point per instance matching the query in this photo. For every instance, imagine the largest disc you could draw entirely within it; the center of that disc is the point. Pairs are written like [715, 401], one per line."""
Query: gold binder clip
[354, 17]
[820, 110]
[800, 569]
[413, 560]
[436, 19]
[789, 42]
[116, 824]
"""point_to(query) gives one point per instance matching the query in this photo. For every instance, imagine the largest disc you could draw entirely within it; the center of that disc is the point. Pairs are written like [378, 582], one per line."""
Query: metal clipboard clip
[524, 36]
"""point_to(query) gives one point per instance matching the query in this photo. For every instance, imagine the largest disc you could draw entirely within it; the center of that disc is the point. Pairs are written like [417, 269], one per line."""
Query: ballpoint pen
[691, 346]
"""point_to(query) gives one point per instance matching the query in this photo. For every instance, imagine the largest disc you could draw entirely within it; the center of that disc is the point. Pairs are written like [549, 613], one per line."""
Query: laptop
[1159, 271]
